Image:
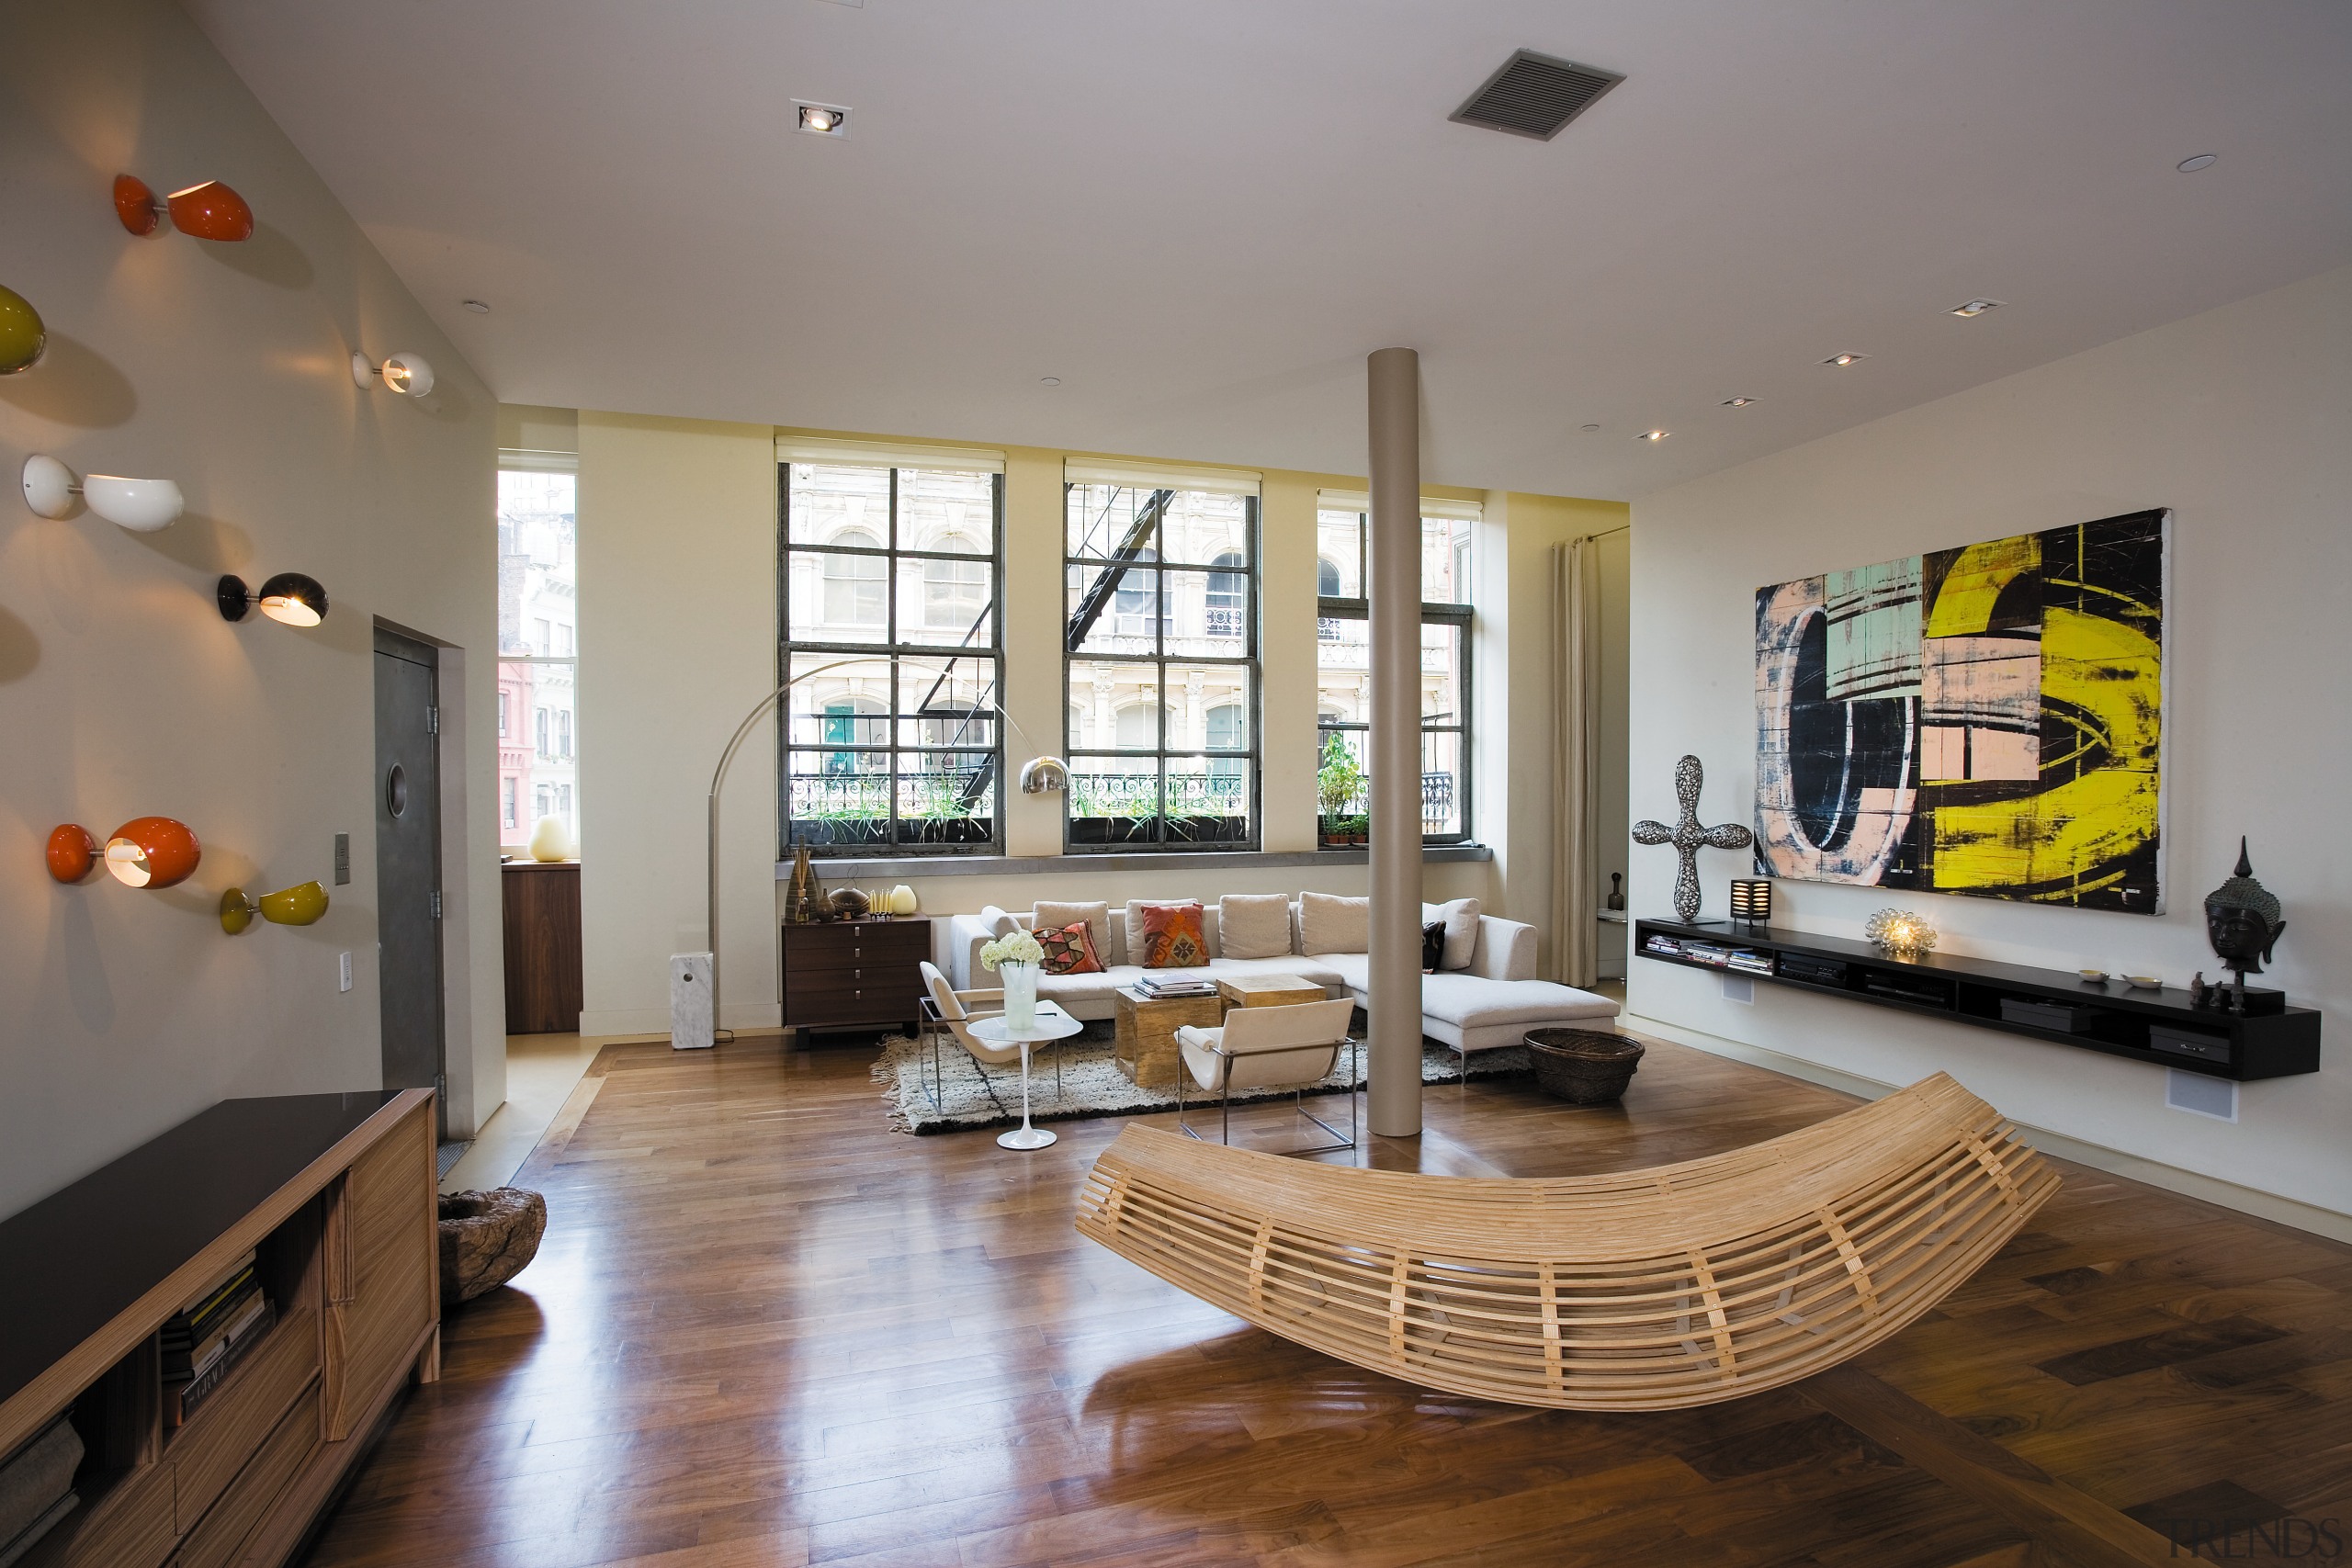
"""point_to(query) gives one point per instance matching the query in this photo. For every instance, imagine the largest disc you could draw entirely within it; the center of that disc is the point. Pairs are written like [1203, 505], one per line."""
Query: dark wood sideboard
[543, 965]
[334, 1195]
[854, 974]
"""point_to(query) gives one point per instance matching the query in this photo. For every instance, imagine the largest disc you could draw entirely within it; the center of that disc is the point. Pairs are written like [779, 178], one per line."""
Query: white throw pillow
[996, 921]
[1329, 923]
[1460, 918]
[1056, 916]
[1254, 925]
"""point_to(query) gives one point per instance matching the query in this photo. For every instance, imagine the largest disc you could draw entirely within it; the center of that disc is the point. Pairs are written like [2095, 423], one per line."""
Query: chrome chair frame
[935, 1025]
[1298, 1100]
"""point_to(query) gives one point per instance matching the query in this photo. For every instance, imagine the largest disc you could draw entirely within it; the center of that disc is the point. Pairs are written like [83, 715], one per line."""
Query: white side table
[1052, 1024]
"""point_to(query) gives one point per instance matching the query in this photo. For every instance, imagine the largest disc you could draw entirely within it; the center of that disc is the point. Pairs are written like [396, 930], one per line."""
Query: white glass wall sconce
[404, 373]
[140, 505]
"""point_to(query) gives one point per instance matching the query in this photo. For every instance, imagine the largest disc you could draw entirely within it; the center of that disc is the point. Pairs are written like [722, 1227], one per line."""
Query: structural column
[1394, 596]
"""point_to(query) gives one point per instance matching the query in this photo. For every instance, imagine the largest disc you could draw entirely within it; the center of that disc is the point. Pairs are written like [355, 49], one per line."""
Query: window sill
[904, 868]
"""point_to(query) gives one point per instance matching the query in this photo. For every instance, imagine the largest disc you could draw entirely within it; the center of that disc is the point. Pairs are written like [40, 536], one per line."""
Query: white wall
[2240, 420]
[122, 691]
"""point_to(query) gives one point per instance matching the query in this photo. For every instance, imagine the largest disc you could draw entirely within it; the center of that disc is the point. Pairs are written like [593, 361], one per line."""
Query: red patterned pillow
[1069, 951]
[1174, 937]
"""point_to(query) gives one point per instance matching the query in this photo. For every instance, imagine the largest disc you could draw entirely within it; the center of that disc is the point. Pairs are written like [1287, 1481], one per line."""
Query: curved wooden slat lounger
[1646, 1290]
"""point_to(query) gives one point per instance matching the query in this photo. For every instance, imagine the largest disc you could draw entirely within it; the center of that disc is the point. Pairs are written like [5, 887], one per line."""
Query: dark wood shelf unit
[543, 973]
[2116, 1019]
[854, 974]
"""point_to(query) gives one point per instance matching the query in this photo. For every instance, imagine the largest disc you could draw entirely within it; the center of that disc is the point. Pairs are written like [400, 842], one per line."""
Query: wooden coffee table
[1268, 991]
[1145, 1046]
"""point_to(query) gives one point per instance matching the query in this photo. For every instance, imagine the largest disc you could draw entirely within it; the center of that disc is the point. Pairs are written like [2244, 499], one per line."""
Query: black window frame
[895, 653]
[1251, 757]
[1459, 616]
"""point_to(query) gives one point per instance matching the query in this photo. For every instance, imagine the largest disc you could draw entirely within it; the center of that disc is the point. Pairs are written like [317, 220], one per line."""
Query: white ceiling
[1202, 214]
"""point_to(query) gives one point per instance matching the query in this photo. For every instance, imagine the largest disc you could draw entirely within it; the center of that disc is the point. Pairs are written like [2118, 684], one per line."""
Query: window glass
[892, 738]
[538, 665]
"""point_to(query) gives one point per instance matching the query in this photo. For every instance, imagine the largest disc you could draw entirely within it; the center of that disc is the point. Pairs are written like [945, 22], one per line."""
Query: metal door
[408, 860]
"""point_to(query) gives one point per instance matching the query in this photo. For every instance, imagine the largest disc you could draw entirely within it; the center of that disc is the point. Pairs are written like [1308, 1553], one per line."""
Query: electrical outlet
[345, 960]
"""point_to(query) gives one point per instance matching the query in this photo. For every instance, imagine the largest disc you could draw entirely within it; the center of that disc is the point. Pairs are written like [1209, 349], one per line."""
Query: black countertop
[80, 1258]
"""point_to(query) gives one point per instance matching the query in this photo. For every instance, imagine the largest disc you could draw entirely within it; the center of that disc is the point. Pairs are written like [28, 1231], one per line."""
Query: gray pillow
[1460, 918]
[1329, 923]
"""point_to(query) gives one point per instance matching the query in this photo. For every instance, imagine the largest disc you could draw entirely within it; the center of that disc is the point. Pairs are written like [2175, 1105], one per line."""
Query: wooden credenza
[543, 983]
[334, 1195]
[854, 974]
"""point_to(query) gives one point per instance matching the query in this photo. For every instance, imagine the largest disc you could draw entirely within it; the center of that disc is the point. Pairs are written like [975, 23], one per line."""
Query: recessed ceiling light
[822, 119]
[1049, 380]
[1652, 435]
[1842, 360]
[1588, 429]
[477, 307]
[1976, 308]
[2202, 161]
[1737, 402]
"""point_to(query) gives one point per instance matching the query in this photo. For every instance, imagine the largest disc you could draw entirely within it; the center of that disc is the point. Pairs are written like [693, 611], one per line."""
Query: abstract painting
[1985, 720]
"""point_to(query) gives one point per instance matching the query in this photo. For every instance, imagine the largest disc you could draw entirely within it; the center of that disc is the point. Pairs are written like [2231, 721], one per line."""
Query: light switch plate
[342, 860]
[345, 959]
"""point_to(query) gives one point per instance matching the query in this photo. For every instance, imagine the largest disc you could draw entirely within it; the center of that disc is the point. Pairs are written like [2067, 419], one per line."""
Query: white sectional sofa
[1493, 1001]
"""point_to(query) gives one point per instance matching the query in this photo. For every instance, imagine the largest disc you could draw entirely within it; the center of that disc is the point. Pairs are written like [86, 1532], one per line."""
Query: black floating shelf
[2271, 1041]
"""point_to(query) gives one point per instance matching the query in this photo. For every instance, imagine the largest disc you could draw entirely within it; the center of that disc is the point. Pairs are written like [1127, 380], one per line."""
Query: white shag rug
[972, 1096]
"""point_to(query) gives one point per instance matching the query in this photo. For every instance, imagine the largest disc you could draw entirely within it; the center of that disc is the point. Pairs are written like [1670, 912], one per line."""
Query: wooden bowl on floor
[1584, 1066]
[487, 1238]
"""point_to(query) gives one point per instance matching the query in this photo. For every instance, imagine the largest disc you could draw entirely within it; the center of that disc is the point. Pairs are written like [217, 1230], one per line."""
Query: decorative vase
[549, 841]
[1020, 981]
[902, 900]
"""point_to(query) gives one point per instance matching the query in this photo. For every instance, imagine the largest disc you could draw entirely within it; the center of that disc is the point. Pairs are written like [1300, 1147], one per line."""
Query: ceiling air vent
[1534, 94]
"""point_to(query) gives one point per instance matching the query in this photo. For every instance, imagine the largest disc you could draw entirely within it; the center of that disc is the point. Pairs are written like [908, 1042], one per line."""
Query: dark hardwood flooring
[765, 1330]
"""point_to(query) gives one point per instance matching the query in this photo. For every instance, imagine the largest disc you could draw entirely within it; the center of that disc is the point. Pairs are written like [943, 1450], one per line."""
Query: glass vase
[1020, 982]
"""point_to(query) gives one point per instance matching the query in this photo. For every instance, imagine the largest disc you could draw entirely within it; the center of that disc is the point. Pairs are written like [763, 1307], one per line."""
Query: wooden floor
[765, 1331]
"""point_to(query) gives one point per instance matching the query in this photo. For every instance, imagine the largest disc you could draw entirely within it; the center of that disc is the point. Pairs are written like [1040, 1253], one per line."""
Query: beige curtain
[1576, 760]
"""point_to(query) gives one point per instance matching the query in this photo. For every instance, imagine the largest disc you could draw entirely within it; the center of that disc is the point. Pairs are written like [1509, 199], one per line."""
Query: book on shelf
[183, 1394]
[196, 1363]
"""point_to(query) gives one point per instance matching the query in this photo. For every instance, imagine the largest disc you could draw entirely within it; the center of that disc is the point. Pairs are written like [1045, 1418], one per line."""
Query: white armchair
[1267, 1047]
[947, 1011]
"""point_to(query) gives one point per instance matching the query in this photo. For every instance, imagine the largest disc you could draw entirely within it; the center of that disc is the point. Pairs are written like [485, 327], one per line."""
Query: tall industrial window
[1343, 672]
[890, 612]
[538, 621]
[1160, 650]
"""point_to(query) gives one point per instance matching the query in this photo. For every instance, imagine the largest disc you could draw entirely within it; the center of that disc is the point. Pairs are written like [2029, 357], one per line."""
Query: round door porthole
[396, 790]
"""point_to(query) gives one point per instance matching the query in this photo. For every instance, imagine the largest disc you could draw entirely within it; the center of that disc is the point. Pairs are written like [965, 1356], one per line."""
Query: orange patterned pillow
[1069, 951]
[1172, 937]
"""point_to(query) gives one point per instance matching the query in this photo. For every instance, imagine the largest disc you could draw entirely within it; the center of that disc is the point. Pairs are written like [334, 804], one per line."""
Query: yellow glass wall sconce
[290, 597]
[301, 905]
[24, 336]
[140, 505]
[405, 373]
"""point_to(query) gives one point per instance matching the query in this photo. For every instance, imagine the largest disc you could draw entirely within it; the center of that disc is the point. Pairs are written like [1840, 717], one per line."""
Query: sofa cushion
[1471, 1001]
[1354, 969]
[1329, 923]
[1461, 920]
[997, 922]
[1167, 936]
[1053, 916]
[1314, 970]
[1070, 950]
[1254, 925]
[1094, 988]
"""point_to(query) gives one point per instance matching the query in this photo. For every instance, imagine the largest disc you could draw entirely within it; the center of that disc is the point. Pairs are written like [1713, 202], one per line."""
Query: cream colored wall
[2240, 420]
[122, 691]
[676, 512]
[677, 611]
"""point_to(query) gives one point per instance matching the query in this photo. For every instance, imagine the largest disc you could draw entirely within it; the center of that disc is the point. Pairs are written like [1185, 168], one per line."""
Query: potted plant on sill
[1338, 781]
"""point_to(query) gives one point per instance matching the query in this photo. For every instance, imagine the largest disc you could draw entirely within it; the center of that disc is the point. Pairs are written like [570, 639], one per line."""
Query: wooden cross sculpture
[1688, 838]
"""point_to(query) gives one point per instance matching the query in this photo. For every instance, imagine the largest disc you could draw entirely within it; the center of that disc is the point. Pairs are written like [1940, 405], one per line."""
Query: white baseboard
[2099, 1156]
[656, 1020]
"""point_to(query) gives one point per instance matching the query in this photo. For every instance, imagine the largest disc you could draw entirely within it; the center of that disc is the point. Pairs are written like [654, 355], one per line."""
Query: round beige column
[1394, 596]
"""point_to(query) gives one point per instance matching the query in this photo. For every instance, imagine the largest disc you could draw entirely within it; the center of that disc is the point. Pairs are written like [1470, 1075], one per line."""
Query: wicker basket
[1583, 1066]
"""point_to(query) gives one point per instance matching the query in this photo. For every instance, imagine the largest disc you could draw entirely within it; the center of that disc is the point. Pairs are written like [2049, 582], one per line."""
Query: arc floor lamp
[1042, 774]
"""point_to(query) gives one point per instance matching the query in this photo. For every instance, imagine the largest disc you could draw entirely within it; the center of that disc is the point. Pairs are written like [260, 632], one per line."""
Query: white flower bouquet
[1018, 948]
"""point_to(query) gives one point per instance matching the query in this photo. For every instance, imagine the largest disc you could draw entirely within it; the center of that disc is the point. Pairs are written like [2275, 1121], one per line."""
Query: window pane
[1114, 800]
[1114, 608]
[946, 797]
[837, 797]
[946, 602]
[537, 614]
[847, 704]
[538, 756]
[824, 501]
[1338, 548]
[1441, 784]
[839, 598]
[1445, 560]
[1208, 801]
[946, 512]
[1441, 673]
[1194, 691]
[1207, 612]
[1100, 692]
[1200, 527]
[1104, 520]
[946, 702]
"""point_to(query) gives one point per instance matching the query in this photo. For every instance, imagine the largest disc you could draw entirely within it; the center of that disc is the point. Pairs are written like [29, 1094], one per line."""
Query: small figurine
[2198, 995]
[2242, 921]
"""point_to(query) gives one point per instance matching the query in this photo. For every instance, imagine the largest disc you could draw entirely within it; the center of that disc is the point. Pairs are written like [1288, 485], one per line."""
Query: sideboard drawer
[854, 973]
